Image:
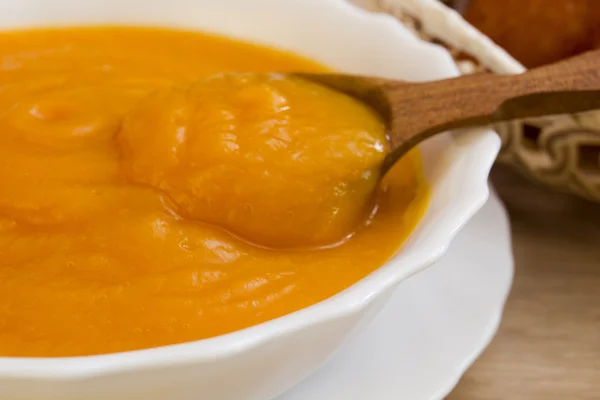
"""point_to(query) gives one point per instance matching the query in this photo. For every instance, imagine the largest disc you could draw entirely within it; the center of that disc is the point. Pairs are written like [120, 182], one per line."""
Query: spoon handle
[421, 110]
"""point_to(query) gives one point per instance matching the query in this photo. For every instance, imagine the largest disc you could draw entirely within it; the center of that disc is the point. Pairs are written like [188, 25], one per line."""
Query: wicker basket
[562, 151]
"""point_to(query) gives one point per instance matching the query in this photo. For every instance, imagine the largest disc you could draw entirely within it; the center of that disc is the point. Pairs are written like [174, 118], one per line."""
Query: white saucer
[432, 329]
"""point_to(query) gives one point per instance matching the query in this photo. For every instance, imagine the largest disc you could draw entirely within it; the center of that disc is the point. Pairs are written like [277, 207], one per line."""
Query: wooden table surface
[548, 345]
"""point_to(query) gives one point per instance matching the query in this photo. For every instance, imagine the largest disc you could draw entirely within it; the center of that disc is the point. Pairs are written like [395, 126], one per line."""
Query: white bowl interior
[335, 34]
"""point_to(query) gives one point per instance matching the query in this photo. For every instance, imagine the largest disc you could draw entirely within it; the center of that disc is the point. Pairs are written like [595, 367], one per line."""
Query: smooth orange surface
[131, 198]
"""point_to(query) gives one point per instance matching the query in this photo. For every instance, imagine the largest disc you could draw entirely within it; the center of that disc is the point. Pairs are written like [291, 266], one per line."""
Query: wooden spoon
[417, 111]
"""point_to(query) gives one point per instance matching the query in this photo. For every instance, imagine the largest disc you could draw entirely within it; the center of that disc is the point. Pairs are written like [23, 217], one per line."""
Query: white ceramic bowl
[265, 360]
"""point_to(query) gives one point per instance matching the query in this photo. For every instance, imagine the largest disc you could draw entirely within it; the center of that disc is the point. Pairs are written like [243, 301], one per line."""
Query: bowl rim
[349, 301]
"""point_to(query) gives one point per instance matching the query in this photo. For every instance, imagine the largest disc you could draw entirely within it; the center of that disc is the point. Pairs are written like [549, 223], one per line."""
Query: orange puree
[280, 161]
[147, 198]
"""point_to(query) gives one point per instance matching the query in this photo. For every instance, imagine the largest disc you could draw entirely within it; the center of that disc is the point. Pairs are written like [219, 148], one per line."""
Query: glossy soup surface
[151, 193]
